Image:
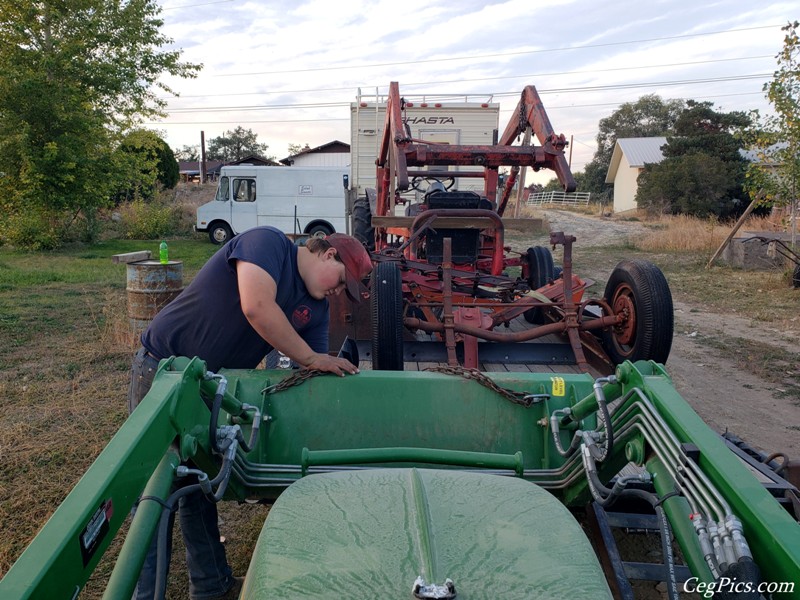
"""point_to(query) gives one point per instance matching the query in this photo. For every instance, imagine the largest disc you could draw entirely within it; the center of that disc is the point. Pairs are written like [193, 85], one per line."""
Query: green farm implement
[445, 484]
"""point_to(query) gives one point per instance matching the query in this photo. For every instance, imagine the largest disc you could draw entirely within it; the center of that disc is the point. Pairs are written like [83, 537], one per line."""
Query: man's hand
[331, 364]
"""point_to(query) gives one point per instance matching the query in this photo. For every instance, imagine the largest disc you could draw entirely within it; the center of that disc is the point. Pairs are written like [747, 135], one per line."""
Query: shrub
[35, 229]
[146, 220]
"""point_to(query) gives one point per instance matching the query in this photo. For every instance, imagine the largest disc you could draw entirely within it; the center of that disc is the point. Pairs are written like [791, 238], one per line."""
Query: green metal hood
[371, 533]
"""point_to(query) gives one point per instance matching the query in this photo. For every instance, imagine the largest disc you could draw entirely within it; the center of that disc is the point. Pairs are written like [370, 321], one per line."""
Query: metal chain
[522, 398]
[299, 377]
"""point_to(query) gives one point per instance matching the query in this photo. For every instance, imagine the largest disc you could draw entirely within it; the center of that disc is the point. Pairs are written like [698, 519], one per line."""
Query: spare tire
[638, 290]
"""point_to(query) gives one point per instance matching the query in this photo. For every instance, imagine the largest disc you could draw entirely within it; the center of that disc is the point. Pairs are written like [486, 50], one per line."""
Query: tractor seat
[465, 241]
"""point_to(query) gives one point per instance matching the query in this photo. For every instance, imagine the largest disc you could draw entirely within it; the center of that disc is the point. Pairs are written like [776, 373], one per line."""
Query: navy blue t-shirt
[206, 319]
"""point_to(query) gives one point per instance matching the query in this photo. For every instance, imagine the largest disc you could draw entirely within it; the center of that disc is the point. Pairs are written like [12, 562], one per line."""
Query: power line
[331, 119]
[480, 56]
[611, 87]
[439, 82]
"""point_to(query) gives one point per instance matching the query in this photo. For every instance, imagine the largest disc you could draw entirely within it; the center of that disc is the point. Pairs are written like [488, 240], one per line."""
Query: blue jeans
[209, 572]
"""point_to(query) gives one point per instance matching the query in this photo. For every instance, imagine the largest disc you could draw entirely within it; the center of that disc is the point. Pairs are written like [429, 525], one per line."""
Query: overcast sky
[289, 70]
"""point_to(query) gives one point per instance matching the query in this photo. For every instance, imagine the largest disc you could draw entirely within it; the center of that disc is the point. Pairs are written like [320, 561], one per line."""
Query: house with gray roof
[627, 162]
[332, 154]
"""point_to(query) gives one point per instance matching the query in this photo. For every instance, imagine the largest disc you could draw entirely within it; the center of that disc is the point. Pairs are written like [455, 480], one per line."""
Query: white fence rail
[572, 199]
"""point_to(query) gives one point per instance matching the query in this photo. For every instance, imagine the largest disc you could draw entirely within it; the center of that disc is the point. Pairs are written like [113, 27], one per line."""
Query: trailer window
[223, 191]
[244, 190]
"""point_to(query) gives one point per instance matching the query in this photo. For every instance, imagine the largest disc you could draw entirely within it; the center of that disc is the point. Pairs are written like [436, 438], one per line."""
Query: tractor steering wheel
[421, 184]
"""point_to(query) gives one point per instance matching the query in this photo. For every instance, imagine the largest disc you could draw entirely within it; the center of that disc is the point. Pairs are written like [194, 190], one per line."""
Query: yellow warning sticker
[559, 389]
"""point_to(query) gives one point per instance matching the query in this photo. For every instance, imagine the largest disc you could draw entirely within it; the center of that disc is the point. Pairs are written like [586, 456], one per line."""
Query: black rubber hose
[607, 499]
[212, 426]
[162, 563]
[744, 570]
[666, 538]
[605, 417]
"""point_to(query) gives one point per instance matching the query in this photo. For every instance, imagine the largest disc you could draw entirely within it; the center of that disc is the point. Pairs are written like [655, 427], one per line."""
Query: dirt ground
[724, 395]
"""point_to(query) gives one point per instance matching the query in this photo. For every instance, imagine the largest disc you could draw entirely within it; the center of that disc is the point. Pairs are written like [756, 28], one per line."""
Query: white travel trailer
[296, 200]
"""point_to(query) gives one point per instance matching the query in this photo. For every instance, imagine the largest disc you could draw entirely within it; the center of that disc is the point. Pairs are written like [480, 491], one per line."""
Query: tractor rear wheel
[638, 290]
[387, 317]
[363, 230]
[541, 271]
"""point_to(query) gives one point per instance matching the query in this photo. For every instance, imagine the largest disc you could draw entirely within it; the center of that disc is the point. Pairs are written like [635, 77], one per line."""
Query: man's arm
[258, 292]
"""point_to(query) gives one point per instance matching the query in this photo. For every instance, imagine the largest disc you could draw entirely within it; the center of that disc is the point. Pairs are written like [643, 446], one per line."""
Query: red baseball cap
[357, 263]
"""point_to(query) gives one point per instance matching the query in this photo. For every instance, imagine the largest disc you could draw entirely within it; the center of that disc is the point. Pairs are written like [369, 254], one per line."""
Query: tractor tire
[219, 232]
[541, 271]
[386, 297]
[796, 277]
[639, 289]
[363, 230]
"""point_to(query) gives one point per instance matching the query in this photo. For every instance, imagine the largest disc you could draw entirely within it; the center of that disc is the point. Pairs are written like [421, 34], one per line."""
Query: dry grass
[683, 233]
[669, 233]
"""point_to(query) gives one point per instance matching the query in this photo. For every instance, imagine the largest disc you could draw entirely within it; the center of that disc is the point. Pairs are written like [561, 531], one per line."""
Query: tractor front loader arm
[530, 112]
[392, 168]
[170, 425]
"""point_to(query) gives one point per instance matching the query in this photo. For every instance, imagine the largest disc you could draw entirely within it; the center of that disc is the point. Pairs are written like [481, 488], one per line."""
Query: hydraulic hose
[604, 416]
[164, 534]
[215, 408]
[554, 427]
[611, 495]
[164, 529]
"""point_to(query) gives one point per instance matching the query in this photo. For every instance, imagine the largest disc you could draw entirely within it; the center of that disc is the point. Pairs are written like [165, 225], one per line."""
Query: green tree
[295, 149]
[148, 162]
[649, 116]
[696, 184]
[189, 153]
[235, 145]
[775, 175]
[702, 172]
[75, 75]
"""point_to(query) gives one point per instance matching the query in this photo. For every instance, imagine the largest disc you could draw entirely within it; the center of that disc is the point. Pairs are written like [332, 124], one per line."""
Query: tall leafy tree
[703, 171]
[649, 116]
[775, 175]
[150, 163]
[187, 153]
[75, 75]
[235, 145]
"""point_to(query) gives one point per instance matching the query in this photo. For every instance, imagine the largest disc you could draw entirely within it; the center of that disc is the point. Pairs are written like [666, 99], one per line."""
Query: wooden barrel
[151, 286]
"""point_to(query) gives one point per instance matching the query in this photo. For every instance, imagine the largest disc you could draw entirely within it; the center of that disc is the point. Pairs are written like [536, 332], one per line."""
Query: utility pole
[202, 157]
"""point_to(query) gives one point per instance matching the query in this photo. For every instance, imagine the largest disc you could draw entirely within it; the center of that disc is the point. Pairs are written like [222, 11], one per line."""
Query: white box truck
[296, 200]
[439, 119]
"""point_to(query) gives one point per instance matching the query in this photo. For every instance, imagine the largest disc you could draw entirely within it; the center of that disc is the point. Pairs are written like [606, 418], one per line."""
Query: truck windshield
[223, 191]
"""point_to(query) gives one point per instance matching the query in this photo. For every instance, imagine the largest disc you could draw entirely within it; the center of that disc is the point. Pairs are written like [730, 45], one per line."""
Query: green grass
[91, 265]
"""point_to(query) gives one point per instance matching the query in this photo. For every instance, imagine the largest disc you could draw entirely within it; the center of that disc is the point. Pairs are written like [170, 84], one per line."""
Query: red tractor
[441, 283]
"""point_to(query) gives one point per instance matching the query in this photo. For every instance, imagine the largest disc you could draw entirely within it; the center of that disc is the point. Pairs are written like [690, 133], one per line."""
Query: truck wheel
[638, 290]
[363, 230]
[541, 271]
[219, 232]
[320, 228]
[387, 317]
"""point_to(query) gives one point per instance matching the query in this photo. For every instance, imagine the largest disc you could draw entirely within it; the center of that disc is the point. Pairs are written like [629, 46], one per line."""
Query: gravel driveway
[725, 396]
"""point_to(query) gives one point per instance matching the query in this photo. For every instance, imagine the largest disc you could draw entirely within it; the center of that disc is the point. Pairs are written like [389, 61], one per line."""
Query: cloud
[290, 71]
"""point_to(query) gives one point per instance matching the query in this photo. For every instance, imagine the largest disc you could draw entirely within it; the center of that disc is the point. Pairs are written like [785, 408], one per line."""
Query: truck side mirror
[346, 181]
